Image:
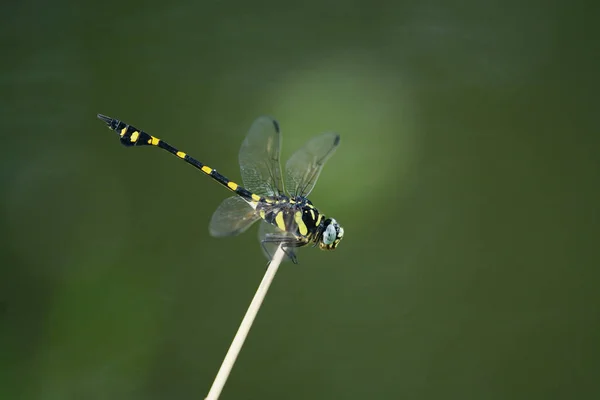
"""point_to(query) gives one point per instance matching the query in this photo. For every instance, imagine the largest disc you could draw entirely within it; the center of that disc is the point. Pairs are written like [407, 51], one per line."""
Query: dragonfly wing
[233, 216]
[304, 167]
[259, 158]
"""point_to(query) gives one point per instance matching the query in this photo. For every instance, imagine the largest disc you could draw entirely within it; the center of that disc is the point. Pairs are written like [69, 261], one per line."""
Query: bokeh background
[466, 181]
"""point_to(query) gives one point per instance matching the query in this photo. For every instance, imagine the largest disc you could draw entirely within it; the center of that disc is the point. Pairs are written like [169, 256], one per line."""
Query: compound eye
[329, 235]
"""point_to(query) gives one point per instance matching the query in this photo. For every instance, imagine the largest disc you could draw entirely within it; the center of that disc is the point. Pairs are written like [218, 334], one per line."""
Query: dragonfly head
[331, 234]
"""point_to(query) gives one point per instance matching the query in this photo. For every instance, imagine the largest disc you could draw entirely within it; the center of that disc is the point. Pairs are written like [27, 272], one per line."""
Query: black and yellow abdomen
[131, 136]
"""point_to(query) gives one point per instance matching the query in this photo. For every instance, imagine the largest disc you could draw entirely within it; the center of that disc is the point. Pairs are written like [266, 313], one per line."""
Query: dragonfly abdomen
[132, 136]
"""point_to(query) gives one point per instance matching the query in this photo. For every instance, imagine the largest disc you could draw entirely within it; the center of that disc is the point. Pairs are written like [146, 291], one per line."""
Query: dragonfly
[277, 199]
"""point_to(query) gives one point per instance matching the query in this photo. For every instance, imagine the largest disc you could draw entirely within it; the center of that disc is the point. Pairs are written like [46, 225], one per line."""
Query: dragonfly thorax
[298, 218]
[295, 216]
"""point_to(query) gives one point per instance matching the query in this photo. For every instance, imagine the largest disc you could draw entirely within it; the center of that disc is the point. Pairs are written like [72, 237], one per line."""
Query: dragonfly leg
[286, 242]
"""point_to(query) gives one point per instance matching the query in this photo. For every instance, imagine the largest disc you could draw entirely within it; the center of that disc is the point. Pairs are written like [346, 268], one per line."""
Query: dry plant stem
[240, 336]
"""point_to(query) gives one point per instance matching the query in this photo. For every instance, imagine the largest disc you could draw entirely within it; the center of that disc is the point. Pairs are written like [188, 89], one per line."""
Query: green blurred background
[466, 181]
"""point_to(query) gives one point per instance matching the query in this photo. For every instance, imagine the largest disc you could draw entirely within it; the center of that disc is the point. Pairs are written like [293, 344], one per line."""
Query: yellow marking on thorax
[301, 225]
[262, 214]
[206, 170]
[279, 220]
[180, 154]
[123, 131]
[319, 219]
[312, 214]
[134, 137]
[154, 141]
[232, 185]
[310, 205]
[256, 197]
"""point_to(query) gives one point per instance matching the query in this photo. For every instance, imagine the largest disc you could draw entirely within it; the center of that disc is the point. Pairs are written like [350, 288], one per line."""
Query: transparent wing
[270, 237]
[232, 217]
[304, 167]
[259, 158]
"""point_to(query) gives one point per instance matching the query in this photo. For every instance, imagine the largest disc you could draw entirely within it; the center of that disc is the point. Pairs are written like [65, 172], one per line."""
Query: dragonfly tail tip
[104, 118]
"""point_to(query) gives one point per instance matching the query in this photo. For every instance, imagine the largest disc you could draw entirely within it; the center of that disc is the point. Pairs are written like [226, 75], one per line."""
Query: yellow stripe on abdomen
[134, 136]
[232, 185]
